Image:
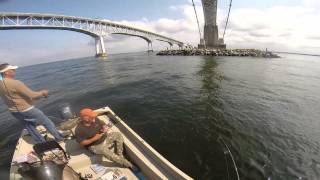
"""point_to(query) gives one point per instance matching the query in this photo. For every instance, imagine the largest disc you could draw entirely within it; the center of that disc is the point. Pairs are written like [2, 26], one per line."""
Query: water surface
[266, 110]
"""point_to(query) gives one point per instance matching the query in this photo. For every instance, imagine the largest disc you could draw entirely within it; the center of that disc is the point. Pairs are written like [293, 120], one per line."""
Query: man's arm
[27, 92]
[91, 140]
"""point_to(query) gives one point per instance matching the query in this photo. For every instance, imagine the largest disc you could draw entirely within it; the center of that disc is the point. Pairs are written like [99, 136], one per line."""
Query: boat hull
[152, 164]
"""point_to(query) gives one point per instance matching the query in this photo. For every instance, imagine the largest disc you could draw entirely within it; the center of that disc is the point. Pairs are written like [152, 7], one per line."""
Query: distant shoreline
[304, 54]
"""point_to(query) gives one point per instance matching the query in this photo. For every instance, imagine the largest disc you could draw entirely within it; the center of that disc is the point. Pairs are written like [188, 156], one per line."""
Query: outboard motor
[66, 112]
[70, 120]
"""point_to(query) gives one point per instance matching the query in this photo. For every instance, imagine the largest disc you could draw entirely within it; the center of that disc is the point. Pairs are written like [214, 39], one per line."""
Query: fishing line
[15, 105]
[54, 117]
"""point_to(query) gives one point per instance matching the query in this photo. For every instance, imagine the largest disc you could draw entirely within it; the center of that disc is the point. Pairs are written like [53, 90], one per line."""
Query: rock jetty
[218, 52]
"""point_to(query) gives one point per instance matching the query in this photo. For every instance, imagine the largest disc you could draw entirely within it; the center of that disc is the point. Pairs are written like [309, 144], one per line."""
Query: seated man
[93, 134]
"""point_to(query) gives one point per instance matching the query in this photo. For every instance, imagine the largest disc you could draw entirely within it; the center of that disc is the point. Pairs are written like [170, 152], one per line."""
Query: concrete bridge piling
[100, 48]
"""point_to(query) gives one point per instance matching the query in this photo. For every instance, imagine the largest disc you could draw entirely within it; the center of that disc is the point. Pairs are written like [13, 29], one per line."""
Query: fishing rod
[20, 165]
[223, 143]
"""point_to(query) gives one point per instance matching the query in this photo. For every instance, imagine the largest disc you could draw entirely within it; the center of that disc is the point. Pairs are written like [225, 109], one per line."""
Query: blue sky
[109, 9]
[121, 9]
[168, 17]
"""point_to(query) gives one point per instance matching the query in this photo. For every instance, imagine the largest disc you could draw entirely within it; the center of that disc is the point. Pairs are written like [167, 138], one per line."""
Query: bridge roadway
[95, 28]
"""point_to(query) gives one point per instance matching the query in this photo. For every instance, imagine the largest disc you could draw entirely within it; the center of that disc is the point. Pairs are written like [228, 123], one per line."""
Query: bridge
[96, 28]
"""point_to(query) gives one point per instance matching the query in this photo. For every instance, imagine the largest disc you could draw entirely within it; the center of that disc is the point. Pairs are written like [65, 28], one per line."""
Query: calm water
[266, 110]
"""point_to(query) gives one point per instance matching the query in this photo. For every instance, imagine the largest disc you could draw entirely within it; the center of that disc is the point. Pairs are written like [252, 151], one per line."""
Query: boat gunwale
[163, 163]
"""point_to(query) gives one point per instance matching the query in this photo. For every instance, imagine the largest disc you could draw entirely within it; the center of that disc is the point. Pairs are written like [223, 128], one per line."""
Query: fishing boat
[69, 160]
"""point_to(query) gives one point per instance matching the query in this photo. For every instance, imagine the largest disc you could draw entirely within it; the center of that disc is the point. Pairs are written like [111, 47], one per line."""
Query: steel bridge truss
[93, 27]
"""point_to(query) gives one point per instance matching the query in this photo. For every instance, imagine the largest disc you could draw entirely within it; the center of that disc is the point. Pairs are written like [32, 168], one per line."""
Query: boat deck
[80, 158]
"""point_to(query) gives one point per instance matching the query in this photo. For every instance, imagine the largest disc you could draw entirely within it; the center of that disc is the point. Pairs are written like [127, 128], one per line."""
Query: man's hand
[97, 136]
[45, 93]
[91, 140]
[104, 129]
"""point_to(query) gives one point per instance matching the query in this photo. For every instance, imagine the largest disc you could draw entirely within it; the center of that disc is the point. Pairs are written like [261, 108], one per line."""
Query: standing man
[20, 99]
[93, 134]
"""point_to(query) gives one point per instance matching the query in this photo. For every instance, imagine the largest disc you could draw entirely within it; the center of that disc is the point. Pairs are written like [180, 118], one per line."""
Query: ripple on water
[266, 111]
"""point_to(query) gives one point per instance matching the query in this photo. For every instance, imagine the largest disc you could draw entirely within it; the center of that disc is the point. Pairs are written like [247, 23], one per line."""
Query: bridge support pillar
[150, 48]
[100, 48]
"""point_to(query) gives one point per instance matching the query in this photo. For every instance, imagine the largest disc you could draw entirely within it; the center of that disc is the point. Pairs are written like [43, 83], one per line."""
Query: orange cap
[88, 112]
